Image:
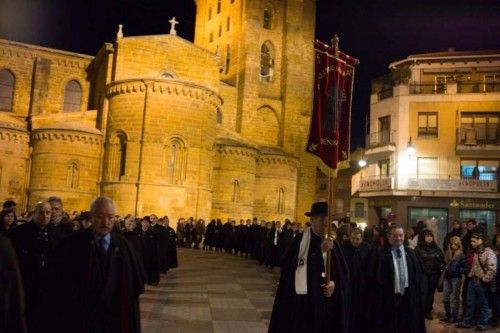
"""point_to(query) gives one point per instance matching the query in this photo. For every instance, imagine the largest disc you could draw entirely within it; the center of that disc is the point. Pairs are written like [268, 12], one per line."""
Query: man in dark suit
[395, 296]
[33, 243]
[59, 226]
[95, 279]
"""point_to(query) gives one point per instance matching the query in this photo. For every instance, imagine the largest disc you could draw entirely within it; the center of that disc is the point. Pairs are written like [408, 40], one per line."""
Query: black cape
[150, 255]
[162, 236]
[171, 249]
[314, 312]
[69, 272]
[11, 291]
[380, 298]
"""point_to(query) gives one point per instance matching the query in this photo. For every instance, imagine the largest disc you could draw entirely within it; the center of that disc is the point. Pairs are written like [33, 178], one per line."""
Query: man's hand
[327, 244]
[329, 288]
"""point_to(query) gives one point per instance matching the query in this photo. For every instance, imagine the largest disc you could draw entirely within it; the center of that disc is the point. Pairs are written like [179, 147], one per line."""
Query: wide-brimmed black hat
[318, 209]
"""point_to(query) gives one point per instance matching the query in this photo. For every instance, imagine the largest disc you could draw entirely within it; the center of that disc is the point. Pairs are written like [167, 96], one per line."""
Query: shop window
[427, 168]
[359, 210]
[428, 124]
[72, 97]
[479, 169]
[486, 218]
[436, 220]
[7, 82]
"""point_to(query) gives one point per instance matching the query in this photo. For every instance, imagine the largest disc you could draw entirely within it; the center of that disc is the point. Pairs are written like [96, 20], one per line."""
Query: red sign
[331, 119]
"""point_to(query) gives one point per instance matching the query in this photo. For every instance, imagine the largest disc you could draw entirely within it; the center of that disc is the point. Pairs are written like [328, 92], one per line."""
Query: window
[176, 154]
[281, 201]
[384, 170]
[236, 190]
[479, 169]
[228, 59]
[267, 19]
[428, 124]
[266, 62]
[219, 117]
[491, 82]
[220, 30]
[73, 174]
[72, 97]
[167, 75]
[219, 6]
[384, 126]
[228, 23]
[211, 37]
[427, 168]
[480, 128]
[359, 210]
[440, 84]
[339, 205]
[7, 82]
[117, 156]
[436, 220]
[209, 13]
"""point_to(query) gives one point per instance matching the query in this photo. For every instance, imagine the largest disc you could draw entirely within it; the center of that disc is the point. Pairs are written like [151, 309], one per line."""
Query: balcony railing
[477, 87]
[386, 93]
[379, 139]
[479, 135]
[427, 88]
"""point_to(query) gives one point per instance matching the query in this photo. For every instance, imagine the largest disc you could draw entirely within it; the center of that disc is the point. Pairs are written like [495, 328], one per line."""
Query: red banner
[331, 120]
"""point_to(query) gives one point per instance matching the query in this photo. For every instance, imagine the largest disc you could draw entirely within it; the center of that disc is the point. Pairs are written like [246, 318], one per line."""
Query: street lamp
[410, 148]
[362, 162]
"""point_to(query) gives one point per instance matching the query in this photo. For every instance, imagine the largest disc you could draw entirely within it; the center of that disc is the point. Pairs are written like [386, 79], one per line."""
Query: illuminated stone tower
[266, 65]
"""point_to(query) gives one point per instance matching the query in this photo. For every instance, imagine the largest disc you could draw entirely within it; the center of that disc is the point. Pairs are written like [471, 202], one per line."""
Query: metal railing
[386, 93]
[378, 139]
[477, 87]
[478, 135]
[427, 88]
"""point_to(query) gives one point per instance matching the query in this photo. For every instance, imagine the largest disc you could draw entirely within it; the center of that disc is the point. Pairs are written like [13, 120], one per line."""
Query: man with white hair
[95, 279]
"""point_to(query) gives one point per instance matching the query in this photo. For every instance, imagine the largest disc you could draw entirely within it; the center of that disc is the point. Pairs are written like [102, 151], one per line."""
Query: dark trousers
[401, 309]
[464, 295]
[432, 282]
[495, 307]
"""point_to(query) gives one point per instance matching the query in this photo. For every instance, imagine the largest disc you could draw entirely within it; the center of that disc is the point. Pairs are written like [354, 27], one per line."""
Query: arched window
[117, 156]
[175, 161]
[281, 201]
[209, 13]
[211, 37]
[219, 117]
[219, 5]
[267, 19]
[73, 174]
[228, 59]
[236, 190]
[220, 30]
[7, 82]
[266, 62]
[72, 97]
[228, 25]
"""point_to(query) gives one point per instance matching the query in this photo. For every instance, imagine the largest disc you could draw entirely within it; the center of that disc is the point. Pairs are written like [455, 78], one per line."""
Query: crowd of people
[85, 271]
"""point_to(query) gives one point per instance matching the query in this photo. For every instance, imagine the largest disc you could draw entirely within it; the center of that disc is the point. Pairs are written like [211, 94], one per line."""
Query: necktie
[402, 273]
[101, 249]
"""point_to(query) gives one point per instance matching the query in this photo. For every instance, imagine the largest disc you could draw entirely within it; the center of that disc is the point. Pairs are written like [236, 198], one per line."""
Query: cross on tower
[173, 23]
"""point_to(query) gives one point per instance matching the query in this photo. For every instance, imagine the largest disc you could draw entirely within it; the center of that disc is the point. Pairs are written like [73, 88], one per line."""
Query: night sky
[375, 31]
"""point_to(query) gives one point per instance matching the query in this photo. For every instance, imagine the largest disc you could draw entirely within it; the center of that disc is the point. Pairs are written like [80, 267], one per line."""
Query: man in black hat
[304, 301]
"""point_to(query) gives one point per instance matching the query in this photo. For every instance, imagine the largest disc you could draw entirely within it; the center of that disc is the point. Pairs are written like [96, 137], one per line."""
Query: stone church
[214, 128]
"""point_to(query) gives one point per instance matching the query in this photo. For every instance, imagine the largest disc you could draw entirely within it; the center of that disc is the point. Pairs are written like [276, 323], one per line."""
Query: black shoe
[463, 325]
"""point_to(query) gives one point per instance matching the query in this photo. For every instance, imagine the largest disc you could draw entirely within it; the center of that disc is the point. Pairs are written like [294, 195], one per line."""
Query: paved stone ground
[219, 293]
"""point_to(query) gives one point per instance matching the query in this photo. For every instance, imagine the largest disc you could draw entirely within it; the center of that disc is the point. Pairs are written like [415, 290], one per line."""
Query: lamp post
[410, 148]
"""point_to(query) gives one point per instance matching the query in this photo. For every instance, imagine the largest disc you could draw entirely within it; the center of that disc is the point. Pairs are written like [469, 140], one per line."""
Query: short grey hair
[100, 201]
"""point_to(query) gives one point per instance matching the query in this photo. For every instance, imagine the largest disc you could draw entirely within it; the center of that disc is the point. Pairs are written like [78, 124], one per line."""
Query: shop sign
[473, 204]
[375, 184]
[466, 185]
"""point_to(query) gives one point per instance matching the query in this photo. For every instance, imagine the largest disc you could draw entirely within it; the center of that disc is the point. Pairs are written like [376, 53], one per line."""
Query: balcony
[477, 87]
[380, 144]
[478, 140]
[428, 88]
